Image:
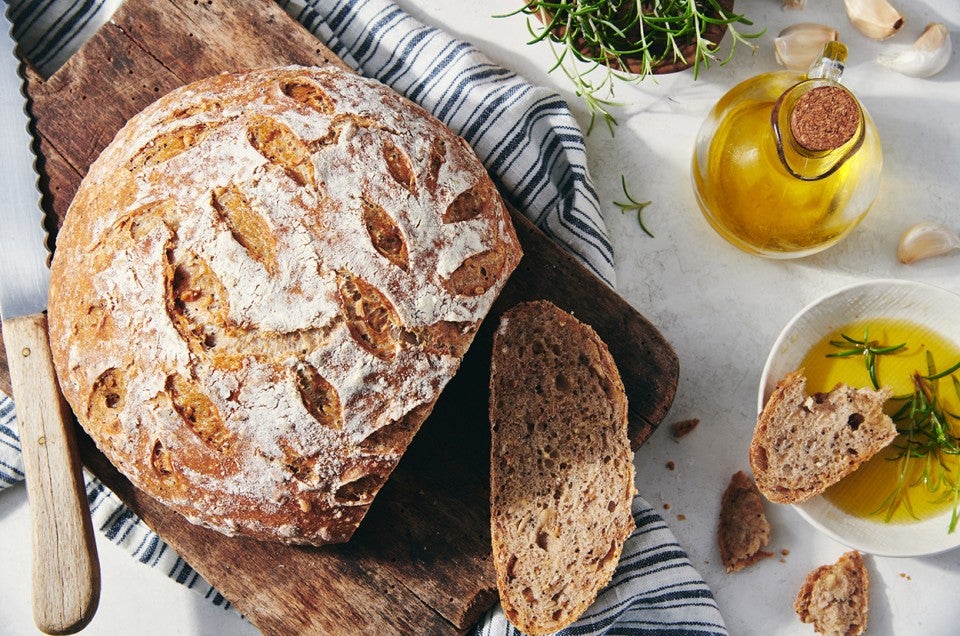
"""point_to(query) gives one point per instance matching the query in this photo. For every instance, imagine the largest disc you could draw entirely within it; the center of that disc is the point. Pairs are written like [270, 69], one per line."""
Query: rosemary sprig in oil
[927, 430]
[927, 434]
[869, 349]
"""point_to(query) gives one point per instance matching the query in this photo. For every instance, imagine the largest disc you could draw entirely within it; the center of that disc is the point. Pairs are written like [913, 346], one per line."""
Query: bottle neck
[829, 64]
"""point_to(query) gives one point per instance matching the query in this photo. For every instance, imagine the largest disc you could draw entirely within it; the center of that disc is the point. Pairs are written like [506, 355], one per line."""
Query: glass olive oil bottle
[788, 164]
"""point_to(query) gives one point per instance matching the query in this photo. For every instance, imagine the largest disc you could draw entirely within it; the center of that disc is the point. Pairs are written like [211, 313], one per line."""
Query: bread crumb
[671, 465]
[681, 428]
[904, 575]
[785, 552]
[834, 598]
[666, 506]
[743, 531]
[681, 517]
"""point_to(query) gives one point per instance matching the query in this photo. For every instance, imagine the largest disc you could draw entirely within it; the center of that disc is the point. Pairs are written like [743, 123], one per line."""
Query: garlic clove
[928, 55]
[926, 240]
[876, 19]
[798, 45]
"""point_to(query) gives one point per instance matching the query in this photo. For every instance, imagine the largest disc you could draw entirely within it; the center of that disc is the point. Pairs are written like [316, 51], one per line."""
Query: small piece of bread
[804, 444]
[561, 479]
[683, 427]
[743, 531]
[835, 597]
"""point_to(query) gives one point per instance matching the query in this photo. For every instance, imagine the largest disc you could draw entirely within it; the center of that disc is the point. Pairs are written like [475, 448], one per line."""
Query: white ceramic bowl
[933, 307]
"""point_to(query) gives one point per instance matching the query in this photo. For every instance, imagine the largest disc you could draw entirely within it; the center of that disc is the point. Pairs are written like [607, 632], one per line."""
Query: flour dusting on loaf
[261, 288]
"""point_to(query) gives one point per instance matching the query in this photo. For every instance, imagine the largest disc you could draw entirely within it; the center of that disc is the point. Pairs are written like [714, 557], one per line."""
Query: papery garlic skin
[794, 4]
[798, 45]
[926, 240]
[928, 55]
[875, 19]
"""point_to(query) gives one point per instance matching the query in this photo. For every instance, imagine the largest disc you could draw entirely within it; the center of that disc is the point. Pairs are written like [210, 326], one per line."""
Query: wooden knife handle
[66, 572]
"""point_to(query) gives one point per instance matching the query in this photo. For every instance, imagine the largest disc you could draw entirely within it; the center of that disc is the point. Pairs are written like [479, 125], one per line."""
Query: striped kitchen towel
[533, 147]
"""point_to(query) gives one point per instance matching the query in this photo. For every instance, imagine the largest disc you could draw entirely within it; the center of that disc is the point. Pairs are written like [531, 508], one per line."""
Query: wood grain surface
[65, 570]
[420, 562]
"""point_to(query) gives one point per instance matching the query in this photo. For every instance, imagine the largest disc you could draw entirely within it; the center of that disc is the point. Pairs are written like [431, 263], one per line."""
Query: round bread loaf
[260, 289]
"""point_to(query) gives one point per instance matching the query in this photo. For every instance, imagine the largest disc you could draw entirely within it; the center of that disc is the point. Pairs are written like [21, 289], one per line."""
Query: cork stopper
[824, 118]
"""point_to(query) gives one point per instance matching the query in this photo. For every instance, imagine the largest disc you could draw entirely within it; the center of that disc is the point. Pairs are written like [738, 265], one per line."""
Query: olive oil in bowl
[888, 487]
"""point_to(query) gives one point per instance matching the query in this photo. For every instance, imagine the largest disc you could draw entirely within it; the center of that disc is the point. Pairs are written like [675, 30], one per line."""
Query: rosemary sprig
[597, 42]
[869, 349]
[928, 435]
[927, 430]
[633, 204]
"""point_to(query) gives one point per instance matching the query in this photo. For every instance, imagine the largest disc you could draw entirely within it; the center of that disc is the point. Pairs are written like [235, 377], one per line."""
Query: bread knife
[66, 572]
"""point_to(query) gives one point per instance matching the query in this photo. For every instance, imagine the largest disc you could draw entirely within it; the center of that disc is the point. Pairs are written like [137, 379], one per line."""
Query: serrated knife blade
[66, 572]
[24, 275]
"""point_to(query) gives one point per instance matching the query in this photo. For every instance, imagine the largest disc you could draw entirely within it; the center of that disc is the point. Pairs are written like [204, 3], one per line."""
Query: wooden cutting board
[420, 562]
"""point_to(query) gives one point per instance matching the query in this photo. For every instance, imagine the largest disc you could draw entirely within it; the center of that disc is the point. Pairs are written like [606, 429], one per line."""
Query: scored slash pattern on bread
[743, 531]
[835, 598]
[561, 467]
[804, 444]
[261, 287]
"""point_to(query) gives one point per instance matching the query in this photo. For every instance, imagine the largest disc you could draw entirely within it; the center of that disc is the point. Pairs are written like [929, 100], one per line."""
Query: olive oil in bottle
[785, 164]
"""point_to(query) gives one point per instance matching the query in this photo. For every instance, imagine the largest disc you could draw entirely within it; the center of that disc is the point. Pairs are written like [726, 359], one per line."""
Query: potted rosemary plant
[596, 42]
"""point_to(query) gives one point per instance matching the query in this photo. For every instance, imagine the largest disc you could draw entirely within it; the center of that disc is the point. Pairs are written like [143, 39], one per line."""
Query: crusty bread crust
[804, 444]
[835, 598]
[743, 531]
[261, 287]
[561, 477]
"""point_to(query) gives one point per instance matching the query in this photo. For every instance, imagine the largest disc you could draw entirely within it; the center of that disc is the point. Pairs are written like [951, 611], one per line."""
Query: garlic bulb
[876, 19]
[926, 240]
[798, 45]
[928, 55]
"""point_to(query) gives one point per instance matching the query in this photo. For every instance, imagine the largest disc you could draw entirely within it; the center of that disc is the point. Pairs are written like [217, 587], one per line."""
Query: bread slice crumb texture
[835, 598]
[804, 444]
[561, 466]
[744, 531]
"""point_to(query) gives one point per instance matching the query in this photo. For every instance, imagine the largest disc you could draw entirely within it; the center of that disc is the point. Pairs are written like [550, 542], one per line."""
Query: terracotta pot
[714, 33]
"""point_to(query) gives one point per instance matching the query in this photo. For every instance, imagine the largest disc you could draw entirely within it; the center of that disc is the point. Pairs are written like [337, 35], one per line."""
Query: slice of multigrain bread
[744, 531]
[561, 479]
[835, 598]
[804, 444]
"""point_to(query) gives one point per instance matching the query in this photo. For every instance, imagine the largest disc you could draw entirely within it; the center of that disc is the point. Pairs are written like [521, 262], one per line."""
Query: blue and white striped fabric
[533, 147]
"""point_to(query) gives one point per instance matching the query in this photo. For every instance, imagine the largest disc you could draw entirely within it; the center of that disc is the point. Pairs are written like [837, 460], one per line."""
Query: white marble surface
[720, 308]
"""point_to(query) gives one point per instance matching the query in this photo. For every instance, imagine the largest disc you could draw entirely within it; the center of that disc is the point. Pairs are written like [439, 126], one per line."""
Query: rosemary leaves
[596, 42]
[869, 349]
[926, 454]
[632, 204]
